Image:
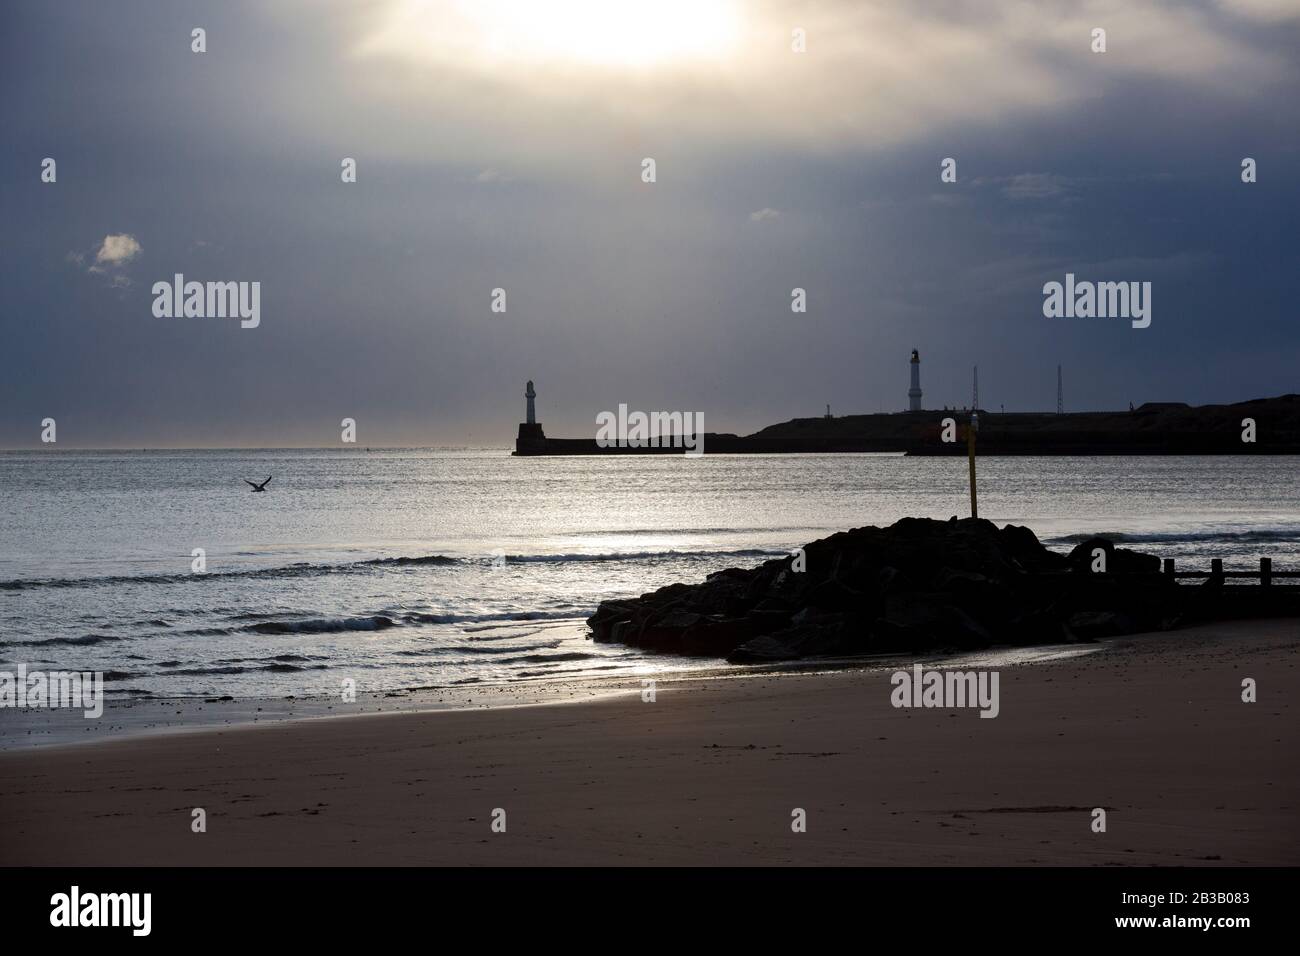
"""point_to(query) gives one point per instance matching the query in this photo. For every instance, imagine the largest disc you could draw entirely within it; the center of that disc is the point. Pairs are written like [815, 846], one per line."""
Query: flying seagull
[261, 487]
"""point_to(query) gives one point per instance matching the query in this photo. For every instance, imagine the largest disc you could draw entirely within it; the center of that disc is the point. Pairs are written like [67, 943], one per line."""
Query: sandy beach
[1152, 728]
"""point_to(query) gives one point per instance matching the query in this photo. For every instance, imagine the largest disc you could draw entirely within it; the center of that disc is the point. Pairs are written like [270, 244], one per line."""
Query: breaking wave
[323, 625]
[377, 564]
[1255, 535]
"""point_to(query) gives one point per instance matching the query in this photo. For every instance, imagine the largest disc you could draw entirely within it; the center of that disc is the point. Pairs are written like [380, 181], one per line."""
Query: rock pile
[918, 585]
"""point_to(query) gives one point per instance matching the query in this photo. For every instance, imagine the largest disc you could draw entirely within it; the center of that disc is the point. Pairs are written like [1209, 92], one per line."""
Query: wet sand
[1151, 728]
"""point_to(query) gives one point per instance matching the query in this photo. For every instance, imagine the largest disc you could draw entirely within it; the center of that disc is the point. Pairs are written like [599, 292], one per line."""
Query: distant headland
[1262, 426]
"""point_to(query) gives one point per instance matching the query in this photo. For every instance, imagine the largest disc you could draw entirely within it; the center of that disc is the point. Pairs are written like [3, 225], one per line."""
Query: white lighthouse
[913, 393]
[531, 395]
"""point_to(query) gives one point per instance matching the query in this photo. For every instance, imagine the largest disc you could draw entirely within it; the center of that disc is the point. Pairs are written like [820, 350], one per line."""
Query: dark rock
[1096, 625]
[1023, 547]
[715, 637]
[831, 595]
[889, 637]
[1118, 560]
[817, 635]
[666, 631]
[621, 632]
[939, 623]
[890, 580]
[763, 650]
[774, 605]
[1038, 626]
[608, 614]
[957, 581]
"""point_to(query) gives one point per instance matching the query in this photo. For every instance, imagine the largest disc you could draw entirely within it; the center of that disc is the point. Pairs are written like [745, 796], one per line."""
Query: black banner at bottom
[215, 906]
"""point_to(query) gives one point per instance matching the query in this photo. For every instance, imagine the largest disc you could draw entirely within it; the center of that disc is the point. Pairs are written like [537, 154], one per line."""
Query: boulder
[763, 650]
[931, 618]
[666, 631]
[607, 615]
[1096, 625]
[716, 637]
[1118, 560]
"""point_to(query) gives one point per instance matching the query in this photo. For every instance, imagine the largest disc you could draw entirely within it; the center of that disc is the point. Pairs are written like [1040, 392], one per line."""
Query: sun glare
[594, 33]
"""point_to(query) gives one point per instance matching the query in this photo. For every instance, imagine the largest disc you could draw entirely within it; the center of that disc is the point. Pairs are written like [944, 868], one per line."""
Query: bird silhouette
[261, 487]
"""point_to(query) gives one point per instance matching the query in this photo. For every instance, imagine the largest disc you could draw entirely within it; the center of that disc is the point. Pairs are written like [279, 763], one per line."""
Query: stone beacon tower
[913, 393]
[531, 439]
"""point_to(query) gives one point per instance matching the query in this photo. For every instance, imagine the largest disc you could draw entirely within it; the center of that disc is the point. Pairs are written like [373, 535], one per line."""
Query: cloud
[875, 76]
[1035, 186]
[766, 214]
[113, 254]
[116, 250]
[1025, 186]
[1271, 11]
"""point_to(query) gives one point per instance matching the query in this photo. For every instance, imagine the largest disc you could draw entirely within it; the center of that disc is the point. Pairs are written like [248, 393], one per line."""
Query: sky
[500, 144]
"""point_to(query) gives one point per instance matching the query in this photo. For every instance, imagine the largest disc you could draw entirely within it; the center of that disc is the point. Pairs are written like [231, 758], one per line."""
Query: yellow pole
[970, 455]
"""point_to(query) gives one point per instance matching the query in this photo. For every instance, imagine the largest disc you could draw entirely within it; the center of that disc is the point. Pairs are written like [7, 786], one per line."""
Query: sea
[450, 567]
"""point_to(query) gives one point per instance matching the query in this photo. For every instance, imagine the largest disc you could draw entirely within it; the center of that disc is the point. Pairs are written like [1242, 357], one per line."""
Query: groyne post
[970, 455]
[1265, 571]
[1169, 568]
[1216, 570]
